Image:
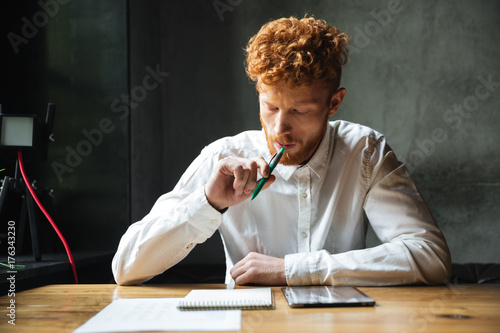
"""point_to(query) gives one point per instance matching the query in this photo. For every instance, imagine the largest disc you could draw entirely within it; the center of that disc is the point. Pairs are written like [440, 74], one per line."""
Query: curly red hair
[296, 52]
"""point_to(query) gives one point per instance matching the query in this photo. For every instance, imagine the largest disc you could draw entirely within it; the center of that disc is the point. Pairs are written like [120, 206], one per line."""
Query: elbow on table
[121, 274]
[124, 279]
[436, 269]
[118, 274]
[126, 282]
[439, 275]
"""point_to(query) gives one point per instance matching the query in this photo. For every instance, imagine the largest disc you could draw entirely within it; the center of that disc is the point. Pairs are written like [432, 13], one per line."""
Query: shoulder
[366, 145]
[352, 132]
[346, 136]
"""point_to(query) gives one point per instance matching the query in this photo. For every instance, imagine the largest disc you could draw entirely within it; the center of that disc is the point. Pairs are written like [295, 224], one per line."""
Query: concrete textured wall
[424, 73]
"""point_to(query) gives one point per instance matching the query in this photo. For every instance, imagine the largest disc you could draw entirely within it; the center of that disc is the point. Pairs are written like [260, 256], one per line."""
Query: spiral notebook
[224, 299]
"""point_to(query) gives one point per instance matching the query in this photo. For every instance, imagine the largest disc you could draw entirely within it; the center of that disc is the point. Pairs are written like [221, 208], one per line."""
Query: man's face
[296, 118]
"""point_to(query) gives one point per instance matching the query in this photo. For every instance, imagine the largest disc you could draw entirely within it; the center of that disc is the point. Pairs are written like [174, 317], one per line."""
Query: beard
[306, 149]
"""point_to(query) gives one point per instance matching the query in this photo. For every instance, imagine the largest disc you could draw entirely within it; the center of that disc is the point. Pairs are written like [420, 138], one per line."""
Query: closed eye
[271, 107]
[301, 110]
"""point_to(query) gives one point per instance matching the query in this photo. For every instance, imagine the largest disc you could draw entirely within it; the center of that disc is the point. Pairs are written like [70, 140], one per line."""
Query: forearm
[395, 263]
[163, 238]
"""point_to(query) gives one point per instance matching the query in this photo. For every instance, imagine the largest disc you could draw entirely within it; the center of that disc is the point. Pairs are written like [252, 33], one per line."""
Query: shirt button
[304, 235]
[190, 245]
[214, 221]
[304, 195]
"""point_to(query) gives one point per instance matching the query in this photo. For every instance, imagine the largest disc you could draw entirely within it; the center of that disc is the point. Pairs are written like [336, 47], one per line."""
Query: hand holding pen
[274, 162]
[234, 179]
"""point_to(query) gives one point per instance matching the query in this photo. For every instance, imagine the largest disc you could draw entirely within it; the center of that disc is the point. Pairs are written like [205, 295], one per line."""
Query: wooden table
[462, 308]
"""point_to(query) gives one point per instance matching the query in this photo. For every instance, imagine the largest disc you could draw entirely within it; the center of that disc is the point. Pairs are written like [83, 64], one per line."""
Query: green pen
[274, 162]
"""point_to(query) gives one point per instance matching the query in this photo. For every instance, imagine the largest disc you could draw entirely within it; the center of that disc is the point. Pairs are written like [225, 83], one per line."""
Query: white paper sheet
[158, 314]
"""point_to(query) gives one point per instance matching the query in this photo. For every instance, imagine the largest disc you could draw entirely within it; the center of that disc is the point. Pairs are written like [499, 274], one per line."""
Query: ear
[336, 100]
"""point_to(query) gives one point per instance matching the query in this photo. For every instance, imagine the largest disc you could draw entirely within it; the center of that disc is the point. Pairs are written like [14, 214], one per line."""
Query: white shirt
[315, 216]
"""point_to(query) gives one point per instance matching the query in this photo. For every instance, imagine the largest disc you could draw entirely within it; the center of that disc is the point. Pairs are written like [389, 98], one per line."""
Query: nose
[283, 123]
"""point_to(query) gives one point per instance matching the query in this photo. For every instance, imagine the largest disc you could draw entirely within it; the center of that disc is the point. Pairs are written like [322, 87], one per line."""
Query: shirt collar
[317, 164]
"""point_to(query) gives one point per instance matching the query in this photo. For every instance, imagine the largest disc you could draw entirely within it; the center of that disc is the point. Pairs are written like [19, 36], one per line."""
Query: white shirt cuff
[300, 268]
[202, 215]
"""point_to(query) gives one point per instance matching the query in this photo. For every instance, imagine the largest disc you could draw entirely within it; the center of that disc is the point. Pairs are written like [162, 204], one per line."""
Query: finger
[246, 180]
[237, 271]
[263, 166]
[252, 178]
[242, 279]
[240, 179]
[228, 165]
[241, 272]
[236, 266]
[271, 180]
[244, 172]
[243, 275]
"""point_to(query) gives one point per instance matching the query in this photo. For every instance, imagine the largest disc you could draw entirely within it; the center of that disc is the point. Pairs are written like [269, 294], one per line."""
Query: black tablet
[325, 296]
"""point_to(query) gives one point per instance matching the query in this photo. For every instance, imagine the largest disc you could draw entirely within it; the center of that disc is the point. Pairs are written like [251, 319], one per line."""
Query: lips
[287, 146]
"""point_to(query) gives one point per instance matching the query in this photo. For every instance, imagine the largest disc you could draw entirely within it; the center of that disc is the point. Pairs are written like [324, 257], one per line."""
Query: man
[308, 225]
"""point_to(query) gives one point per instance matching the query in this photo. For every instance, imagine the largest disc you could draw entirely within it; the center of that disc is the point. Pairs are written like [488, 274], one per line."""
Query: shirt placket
[304, 225]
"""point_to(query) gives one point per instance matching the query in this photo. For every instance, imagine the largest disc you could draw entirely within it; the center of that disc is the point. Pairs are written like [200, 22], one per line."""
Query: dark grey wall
[74, 54]
[417, 73]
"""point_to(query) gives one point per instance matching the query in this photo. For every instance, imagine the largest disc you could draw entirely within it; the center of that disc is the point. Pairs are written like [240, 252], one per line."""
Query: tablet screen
[325, 296]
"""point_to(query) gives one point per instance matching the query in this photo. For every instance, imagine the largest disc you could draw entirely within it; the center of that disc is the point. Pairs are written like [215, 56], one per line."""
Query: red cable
[33, 194]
